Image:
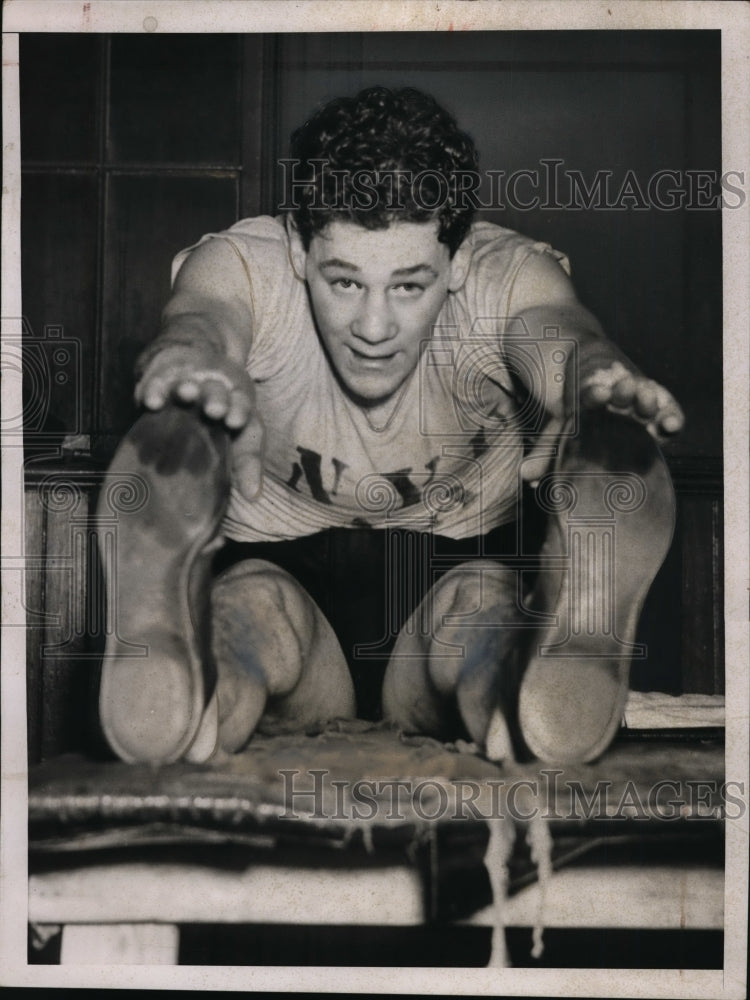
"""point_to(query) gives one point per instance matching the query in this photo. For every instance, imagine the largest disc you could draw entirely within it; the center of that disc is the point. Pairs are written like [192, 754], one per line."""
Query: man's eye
[409, 288]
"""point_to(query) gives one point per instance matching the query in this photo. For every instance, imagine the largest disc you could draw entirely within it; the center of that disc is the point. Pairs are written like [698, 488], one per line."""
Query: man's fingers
[154, 394]
[247, 458]
[213, 391]
[596, 394]
[645, 400]
[240, 406]
[250, 439]
[630, 394]
[671, 422]
[623, 392]
[222, 389]
[669, 418]
[188, 390]
[214, 398]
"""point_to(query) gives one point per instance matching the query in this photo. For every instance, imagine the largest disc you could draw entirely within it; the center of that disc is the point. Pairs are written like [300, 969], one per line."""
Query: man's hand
[224, 392]
[633, 395]
[601, 379]
[221, 388]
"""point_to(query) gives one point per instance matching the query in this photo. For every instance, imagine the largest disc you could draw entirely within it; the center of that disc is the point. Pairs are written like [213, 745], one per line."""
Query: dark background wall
[133, 147]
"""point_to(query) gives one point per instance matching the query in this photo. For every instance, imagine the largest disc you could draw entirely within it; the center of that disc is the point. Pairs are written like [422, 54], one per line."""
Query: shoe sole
[151, 699]
[603, 553]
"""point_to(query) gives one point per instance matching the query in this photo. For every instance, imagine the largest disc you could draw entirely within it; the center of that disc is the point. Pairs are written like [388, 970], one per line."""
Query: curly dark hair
[380, 156]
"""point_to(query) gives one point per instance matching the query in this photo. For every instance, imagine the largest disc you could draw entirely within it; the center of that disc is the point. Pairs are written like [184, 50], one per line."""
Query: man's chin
[369, 396]
[369, 401]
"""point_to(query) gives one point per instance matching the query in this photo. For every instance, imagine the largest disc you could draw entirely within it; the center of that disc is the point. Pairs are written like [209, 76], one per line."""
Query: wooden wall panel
[661, 625]
[149, 219]
[176, 102]
[258, 124]
[698, 359]
[66, 670]
[59, 79]
[59, 287]
[34, 586]
[702, 645]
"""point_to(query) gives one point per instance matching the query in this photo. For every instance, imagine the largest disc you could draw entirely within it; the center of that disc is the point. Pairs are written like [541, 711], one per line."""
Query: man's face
[376, 295]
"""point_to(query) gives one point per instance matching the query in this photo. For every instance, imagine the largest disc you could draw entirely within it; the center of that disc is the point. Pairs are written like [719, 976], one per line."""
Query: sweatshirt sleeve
[276, 296]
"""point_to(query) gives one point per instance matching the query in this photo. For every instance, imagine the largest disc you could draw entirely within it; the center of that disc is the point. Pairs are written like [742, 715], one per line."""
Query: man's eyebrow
[337, 262]
[400, 272]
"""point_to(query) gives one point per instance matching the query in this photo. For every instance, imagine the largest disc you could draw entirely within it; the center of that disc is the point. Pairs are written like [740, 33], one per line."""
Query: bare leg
[280, 666]
[457, 653]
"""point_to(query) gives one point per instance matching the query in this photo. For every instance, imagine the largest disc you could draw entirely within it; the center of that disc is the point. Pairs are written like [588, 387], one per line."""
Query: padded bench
[360, 825]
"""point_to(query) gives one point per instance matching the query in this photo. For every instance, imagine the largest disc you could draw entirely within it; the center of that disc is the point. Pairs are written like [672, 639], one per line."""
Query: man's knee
[270, 614]
[251, 580]
[472, 588]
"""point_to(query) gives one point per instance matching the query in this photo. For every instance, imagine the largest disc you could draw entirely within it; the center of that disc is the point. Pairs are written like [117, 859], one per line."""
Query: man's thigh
[367, 583]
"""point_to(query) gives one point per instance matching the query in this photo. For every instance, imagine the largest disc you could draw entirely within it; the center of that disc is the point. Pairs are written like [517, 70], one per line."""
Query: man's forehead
[404, 245]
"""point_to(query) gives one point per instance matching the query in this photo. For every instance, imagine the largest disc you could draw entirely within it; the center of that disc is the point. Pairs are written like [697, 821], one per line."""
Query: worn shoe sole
[157, 671]
[612, 515]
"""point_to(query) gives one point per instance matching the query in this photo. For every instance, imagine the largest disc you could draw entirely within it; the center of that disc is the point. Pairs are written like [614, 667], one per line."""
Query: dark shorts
[367, 582]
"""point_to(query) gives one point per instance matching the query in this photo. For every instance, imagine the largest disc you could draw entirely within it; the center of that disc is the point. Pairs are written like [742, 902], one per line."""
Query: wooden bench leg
[119, 944]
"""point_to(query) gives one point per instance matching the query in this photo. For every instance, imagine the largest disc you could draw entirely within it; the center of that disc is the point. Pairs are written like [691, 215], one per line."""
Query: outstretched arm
[206, 332]
[543, 297]
[199, 357]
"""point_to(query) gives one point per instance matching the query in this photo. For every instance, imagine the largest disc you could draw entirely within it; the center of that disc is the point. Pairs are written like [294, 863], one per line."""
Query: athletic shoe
[611, 518]
[157, 672]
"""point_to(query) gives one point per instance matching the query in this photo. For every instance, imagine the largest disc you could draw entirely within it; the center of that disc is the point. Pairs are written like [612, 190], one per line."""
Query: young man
[376, 364]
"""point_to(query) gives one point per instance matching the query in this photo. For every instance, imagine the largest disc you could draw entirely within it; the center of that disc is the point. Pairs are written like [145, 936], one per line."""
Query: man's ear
[297, 252]
[460, 263]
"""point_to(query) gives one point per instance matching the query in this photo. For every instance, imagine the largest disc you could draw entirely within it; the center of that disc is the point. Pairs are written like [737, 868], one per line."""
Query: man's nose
[375, 322]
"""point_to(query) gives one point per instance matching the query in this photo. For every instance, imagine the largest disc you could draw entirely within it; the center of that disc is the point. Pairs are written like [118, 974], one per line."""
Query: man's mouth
[371, 360]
